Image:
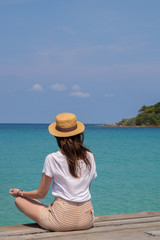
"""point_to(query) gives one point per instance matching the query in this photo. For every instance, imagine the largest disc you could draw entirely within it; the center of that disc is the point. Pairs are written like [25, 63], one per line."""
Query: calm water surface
[128, 167]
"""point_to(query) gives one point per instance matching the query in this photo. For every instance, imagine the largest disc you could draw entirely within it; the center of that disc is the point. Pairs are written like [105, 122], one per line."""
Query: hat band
[66, 129]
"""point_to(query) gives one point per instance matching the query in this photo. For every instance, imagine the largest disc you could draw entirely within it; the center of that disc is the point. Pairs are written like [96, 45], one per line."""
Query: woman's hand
[35, 194]
[14, 192]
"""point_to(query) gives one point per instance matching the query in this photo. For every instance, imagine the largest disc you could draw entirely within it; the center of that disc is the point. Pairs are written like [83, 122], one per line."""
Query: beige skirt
[62, 215]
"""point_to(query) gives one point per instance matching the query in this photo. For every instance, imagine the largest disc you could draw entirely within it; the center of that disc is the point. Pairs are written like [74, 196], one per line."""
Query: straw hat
[66, 125]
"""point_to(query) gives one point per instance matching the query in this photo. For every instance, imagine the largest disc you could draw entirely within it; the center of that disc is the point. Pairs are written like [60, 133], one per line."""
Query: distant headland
[148, 116]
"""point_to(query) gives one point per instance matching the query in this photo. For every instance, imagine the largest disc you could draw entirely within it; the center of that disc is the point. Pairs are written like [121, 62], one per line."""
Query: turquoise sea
[128, 167]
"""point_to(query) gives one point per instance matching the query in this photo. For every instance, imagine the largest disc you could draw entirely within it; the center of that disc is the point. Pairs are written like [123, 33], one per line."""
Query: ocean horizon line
[44, 123]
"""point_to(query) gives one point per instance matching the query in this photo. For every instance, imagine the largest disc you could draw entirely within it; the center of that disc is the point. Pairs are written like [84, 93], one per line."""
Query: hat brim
[52, 129]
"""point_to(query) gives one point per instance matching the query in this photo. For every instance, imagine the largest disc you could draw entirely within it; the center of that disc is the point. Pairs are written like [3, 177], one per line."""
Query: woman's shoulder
[55, 156]
[91, 158]
[90, 154]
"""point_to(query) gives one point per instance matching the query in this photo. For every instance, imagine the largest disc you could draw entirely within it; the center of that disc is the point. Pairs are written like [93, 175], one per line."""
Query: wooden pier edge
[142, 225]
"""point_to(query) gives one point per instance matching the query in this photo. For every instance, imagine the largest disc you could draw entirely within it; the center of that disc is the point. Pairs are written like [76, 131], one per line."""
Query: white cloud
[37, 87]
[109, 95]
[76, 87]
[58, 87]
[80, 94]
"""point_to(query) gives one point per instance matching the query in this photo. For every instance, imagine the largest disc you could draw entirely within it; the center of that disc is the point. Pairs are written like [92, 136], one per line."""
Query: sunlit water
[128, 167]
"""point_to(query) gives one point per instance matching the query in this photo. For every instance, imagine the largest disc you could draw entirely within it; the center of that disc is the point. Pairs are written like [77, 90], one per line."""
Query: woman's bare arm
[36, 194]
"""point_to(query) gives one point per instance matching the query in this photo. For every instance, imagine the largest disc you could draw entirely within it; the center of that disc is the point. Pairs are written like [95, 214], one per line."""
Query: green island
[148, 116]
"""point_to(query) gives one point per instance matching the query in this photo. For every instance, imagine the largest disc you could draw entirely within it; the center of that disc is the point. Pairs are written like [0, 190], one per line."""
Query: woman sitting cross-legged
[71, 169]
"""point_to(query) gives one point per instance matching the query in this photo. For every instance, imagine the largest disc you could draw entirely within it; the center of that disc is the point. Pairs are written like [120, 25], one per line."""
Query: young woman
[71, 169]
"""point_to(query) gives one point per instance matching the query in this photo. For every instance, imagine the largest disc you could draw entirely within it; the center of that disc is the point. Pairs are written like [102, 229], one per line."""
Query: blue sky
[99, 59]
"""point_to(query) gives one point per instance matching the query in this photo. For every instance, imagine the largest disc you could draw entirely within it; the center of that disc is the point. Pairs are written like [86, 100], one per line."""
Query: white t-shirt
[64, 184]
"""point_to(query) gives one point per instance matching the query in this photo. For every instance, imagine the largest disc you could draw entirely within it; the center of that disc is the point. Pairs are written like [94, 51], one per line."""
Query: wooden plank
[97, 219]
[21, 226]
[126, 216]
[87, 234]
[103, 224]
[154, 233]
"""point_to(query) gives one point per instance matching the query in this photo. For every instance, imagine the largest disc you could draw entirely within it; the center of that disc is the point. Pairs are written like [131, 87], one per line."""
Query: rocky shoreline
[121, 125]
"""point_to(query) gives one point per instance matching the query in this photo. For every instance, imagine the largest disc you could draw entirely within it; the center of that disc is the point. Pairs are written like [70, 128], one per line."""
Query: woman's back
[64, 184]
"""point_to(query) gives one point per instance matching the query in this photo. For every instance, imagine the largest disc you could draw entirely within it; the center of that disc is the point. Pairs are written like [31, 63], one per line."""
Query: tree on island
[148, 116]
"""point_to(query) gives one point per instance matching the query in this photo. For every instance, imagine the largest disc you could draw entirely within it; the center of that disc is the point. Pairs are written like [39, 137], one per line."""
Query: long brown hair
[74, 150]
